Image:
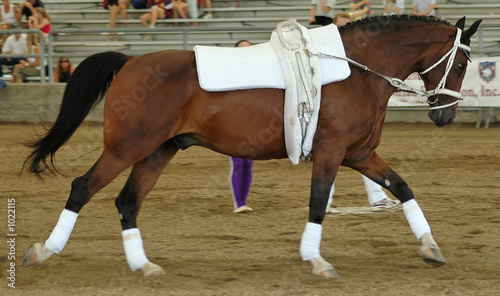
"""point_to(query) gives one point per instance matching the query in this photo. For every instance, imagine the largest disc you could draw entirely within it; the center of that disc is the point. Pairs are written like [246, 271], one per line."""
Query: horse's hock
[30, 102]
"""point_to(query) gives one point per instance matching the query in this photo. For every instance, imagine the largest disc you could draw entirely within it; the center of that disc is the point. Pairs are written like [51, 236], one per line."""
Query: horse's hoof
[432, 255]
[323, 268]
[331, 273]
[30, 257]
[151, 269]
[35, 254]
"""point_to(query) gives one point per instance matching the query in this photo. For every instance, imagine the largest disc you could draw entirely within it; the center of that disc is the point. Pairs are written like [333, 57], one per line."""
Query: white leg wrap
[134, 249]
[416, 218]
[60, 235]
[311, 240]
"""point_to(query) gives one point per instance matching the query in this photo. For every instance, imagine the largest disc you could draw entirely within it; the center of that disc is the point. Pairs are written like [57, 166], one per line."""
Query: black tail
[84, 90]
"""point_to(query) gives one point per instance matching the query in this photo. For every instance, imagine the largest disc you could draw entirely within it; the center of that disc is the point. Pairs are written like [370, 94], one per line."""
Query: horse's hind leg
[377, 170]
[105, 170]
[143, 177]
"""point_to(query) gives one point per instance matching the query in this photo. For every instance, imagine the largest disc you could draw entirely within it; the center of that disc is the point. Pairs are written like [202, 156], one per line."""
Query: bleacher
[80, 26]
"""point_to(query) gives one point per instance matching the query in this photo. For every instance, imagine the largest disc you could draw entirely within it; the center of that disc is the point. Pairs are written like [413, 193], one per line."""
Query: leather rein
[401, 85]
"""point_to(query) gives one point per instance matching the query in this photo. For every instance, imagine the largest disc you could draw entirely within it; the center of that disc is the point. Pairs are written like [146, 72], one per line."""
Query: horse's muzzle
[442, 117]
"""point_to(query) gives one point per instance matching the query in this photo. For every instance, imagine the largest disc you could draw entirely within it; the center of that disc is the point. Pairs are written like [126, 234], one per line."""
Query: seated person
[321, 12]
[28, 8]
[160, 9]
[27, 68]
[14, 44]
[115, 8]
[9, 13]
[63, 70]
[360, 9]
[40, 20]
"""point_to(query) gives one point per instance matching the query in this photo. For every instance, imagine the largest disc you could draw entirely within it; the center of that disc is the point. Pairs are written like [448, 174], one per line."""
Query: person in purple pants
[240, 179]
[240, 176]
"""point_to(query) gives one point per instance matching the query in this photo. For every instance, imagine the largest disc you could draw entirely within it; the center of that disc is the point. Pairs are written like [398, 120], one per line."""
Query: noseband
[401, 85]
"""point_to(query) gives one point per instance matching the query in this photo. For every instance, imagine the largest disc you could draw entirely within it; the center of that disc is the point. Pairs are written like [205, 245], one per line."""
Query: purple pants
[240, 179]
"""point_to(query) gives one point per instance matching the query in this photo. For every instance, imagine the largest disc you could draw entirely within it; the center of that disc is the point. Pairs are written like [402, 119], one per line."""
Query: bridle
[401, 85]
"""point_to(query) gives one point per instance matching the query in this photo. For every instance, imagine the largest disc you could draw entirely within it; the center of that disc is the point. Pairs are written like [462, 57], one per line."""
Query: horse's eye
[461, 66]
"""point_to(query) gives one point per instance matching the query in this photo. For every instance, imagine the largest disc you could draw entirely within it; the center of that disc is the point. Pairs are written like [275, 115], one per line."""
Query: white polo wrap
[416, 218]
[60, 235]
[134, 249]
[311, 240]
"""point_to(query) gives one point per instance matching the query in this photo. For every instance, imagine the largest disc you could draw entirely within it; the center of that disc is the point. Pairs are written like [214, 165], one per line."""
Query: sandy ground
[189, 228]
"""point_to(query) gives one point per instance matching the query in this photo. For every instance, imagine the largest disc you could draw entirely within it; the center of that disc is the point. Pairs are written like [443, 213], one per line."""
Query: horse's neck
[396, 53]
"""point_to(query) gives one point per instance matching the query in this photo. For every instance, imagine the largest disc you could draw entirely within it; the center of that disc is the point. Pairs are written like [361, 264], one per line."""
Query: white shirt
[8, 17]
[12, 45]
[397, 4]
[319, 10]
[422, 6]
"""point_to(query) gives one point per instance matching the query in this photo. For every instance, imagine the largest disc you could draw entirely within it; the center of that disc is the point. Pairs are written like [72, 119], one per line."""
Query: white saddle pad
[258, 66]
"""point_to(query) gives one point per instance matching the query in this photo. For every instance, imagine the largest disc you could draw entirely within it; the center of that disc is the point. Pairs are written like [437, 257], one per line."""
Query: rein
[401, 85]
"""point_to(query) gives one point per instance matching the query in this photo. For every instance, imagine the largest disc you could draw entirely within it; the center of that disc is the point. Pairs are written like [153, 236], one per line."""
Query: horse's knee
[80, 194]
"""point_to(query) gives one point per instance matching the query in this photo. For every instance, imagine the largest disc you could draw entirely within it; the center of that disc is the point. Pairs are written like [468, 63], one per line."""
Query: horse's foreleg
[378, 171]
[82, 190]
[323, 176]
[141, 180]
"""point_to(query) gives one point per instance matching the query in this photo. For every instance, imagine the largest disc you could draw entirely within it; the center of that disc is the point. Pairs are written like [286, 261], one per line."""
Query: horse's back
[159, 95]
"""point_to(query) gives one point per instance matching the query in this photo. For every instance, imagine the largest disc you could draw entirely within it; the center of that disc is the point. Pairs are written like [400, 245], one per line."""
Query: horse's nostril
[451, 120]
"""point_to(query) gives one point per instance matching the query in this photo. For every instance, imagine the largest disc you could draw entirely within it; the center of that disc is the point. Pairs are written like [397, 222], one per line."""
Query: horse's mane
[393, 19]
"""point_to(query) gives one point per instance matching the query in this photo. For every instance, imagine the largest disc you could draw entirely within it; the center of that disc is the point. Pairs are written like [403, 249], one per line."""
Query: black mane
[393, 18]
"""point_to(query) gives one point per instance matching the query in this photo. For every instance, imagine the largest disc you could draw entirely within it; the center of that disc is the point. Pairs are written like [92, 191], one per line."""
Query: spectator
[208, 14]
[115, 8]
[40, 20]
[28, 8]
[360, 9]
[181, 10]
[394, 7]
[341, 19]
[9, 13]
[63, 70]
[30, 68]
[14, 44]
[139, 4]
[424, 7]
[321, 12]
[160, 9]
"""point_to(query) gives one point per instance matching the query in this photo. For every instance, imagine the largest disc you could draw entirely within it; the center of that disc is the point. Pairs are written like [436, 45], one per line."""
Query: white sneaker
[385, 204]
[152, 26]
[147, 38]
[243, 209]
[208, 16]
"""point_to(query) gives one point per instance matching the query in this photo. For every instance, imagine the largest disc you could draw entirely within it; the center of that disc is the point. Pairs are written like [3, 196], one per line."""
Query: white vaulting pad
[258, 66]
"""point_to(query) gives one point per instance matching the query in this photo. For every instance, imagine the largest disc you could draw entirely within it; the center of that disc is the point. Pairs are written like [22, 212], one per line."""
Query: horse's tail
[84, 90]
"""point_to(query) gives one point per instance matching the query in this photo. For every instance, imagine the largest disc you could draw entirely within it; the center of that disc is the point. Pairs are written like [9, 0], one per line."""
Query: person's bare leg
[124, 5]
[114, 10]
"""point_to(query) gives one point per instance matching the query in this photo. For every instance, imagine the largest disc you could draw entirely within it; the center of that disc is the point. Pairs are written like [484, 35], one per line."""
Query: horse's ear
[460, 23]
[469, 32]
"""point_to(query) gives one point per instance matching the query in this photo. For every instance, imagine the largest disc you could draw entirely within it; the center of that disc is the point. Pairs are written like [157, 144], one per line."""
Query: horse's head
[443, 78]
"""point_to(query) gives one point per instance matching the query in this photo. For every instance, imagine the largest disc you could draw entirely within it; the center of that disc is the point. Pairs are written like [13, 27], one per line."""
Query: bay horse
[154, 107]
